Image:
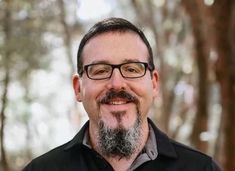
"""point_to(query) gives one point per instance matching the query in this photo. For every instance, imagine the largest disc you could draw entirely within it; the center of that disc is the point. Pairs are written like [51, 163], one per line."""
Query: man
[117, 84]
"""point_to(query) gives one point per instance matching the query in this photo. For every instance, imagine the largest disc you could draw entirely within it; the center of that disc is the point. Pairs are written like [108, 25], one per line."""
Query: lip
[117, 101]
[117, 106]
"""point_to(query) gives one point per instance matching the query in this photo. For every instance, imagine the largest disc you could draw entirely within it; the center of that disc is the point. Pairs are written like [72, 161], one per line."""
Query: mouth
[117, 101]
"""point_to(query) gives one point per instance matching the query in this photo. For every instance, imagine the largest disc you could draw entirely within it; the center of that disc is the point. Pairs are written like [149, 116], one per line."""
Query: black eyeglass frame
[145, 64]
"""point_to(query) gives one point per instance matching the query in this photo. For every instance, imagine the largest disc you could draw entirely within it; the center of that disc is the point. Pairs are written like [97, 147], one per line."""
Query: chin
[115, 125]
[121, 124]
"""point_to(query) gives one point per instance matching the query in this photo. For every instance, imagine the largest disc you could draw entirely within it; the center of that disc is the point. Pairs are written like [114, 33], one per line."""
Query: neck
[120, 164]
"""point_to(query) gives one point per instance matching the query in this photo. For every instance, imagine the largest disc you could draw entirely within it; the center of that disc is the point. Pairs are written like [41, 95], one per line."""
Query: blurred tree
[69, 30]
[30, 30]
[6, 56]
[223, 16]
[66, 35]
[209, 23]
[213, 26]
[22, 51]
[199, 20]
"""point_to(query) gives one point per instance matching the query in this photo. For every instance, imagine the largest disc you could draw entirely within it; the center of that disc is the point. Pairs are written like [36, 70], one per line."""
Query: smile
[118, 102]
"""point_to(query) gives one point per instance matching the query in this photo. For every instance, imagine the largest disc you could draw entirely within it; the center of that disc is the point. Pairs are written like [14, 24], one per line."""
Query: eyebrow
[108, 62]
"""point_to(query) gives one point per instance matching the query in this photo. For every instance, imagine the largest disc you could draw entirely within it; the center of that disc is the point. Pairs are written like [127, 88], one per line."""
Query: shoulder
[50, 159]
[54, 154]
[186, 151]
[170, 148]
[61, 157]
[196, 158]
[176, 155]
[189, 154]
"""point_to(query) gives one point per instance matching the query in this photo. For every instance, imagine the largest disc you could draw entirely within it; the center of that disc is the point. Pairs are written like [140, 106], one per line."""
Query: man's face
[116, 112]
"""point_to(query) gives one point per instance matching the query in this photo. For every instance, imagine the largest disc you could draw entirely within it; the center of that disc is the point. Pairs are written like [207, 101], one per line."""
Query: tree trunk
[4, 100]
[197, 13]
[224, 42]
[3, 116]
[68, 48]
[67, 36]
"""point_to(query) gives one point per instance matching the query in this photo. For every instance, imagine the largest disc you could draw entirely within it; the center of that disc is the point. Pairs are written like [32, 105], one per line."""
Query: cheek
[89, 102]
[90, 94]
[146, 96]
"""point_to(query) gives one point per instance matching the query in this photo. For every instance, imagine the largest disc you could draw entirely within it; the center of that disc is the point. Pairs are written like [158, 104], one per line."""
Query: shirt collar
[150, 148]
[162, 142]
[151, 145]
[86, 140]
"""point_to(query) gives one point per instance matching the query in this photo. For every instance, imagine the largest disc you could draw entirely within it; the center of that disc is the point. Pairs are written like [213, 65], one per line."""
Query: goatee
[119, 142]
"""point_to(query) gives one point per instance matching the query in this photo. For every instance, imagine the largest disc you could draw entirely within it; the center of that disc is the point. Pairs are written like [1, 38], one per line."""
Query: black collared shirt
[75, 156]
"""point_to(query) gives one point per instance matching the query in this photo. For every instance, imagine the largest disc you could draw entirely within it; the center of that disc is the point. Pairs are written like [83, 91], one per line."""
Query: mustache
[112, 94]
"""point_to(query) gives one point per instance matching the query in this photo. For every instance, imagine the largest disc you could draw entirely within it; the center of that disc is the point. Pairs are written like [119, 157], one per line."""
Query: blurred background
[194, 51]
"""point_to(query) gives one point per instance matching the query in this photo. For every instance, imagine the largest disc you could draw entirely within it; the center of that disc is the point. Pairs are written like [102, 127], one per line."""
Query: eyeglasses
[102, 71]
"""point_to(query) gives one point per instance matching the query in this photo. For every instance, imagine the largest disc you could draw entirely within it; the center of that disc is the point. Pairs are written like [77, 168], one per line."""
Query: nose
[116, 81]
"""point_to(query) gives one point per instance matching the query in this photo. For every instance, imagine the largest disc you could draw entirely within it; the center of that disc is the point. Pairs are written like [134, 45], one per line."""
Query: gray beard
[119, 142]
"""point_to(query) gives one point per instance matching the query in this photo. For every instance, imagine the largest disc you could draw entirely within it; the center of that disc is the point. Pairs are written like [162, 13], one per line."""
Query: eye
[132, 68]
[99, 69]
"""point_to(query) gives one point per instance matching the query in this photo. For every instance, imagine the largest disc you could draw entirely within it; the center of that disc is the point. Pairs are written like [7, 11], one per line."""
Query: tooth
[117, 102]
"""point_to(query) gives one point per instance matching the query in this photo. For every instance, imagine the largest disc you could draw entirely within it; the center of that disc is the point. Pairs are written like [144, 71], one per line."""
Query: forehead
[115, 47]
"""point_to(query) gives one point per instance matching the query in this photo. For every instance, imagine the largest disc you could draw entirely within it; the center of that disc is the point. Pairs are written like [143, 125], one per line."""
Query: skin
[116, 48]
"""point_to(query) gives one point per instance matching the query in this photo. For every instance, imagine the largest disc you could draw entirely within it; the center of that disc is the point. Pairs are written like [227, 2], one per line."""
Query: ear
[77, 87]
[155, 83]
